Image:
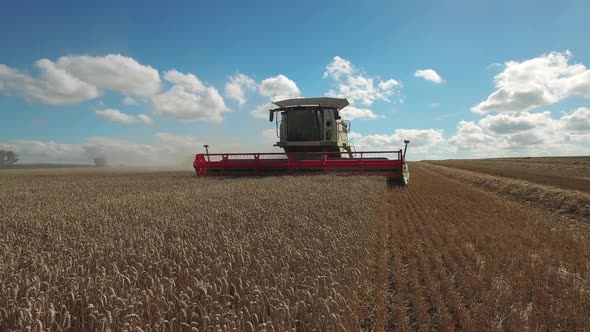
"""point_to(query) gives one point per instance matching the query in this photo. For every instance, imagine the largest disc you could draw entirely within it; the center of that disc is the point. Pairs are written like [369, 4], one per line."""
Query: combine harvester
[315, 141]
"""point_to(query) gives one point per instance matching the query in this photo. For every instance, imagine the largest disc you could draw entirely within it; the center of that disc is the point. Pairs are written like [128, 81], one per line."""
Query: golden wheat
[108, 250]
[169, 251]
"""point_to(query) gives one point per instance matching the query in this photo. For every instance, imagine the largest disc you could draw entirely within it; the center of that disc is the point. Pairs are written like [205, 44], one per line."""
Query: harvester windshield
[303, 125]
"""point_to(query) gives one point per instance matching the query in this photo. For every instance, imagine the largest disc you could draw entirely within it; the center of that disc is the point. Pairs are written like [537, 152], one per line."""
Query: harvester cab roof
[305, 103]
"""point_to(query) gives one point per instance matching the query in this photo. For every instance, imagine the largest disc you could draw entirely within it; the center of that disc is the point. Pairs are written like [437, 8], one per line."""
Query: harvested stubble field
[90, 250]
[562, 172]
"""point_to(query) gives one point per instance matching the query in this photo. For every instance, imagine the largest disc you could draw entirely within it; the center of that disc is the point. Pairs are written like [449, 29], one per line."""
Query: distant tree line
[100, 161]
[7, 158]
[10, 158]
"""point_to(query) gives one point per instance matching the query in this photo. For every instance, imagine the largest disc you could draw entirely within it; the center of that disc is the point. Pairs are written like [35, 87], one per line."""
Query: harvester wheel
[404, 180]
[406, 175]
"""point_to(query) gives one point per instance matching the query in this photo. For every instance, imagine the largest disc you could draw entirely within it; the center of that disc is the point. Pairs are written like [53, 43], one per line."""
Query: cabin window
[303, 125]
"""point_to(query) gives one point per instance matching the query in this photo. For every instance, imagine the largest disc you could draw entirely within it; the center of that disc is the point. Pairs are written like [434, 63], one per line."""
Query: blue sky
[501, 77]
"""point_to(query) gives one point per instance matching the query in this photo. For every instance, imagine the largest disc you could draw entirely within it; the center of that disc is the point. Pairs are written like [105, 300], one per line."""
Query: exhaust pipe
[405, 147]
[207, 151]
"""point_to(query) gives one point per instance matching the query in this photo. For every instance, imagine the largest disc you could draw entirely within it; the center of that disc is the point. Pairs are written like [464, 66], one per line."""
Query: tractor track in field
[459, 257]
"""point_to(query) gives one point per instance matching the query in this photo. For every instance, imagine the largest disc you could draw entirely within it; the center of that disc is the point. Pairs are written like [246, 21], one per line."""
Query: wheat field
[169, 251]
[139, 250]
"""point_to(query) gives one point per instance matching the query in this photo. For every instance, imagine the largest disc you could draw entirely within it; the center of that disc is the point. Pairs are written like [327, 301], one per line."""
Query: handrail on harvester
[274, 163]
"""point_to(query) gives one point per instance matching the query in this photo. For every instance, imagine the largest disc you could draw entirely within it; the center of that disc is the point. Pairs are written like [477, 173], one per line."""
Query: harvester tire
[402, 181]
[406, 175]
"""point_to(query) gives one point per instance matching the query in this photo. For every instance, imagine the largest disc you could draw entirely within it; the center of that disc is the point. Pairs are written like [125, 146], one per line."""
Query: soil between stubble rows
[458, 257]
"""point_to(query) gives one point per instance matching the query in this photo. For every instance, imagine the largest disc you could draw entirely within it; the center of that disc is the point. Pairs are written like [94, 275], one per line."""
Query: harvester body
[315, 141]
[312, 125]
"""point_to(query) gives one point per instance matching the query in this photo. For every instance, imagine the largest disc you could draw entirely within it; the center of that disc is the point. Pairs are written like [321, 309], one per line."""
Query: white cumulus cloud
[389, 86]
[115, 115]
[429, 75]
[541, 81]
[357, 87]
[578, 120]
[422, 141]
[278, 88]
[351, 113]
[129, 101]
[274, 88]
[53, 86]
[473, 139]
[74, 79]
[512, 123]
[113, 72]
[189, 82]
[524, 134]
[145, 119]
[189, 99]
[339, 67]
[237, 86]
